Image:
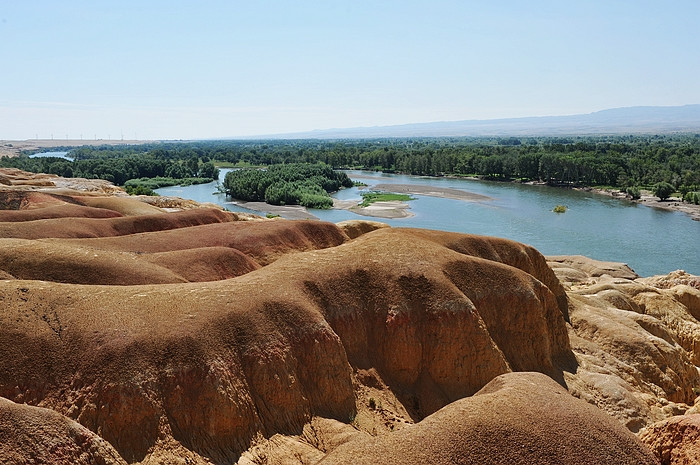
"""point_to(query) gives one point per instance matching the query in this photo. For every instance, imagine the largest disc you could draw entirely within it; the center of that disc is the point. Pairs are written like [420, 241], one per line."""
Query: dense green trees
[289, 184]
[616, 161]
[119, 168]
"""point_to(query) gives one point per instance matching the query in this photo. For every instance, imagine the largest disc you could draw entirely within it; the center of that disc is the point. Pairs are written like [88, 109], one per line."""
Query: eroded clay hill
[537, 421]
[215, 365]
[204, 336]
[41, 436]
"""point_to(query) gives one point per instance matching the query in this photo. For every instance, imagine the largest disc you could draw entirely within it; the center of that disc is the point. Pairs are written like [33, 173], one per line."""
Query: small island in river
[288, 189]
[392, 208]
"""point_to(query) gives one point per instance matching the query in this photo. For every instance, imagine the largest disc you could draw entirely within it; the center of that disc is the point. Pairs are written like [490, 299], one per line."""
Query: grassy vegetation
[369, 198]
[559, 209]
[238, 164]
[158, 182]
[139, 190]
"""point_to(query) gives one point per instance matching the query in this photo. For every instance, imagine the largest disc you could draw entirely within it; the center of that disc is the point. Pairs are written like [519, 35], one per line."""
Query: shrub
[634, 192]
[139, 190]
[692, 197]
[559, 209]
[662, 190]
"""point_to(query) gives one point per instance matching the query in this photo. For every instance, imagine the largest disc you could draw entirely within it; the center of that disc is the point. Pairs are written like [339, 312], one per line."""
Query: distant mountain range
[630, 120]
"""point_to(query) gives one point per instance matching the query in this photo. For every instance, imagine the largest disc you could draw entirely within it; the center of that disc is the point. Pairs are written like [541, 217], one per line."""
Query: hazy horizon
[213, 69]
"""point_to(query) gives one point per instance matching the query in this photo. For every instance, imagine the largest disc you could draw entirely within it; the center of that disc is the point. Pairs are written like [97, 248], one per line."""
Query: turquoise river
[650, 240]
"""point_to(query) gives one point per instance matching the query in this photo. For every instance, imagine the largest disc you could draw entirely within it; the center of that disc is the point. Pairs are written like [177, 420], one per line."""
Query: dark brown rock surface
[34, 435]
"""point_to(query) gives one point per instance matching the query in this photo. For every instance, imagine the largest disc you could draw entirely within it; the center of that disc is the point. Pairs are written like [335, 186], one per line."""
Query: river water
[63, 155]
[650, 240]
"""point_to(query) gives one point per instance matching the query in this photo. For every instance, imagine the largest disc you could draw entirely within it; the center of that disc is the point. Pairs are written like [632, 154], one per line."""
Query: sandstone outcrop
[14, 180]
[636, 344]
[675, 441]
[518, 418]
[37, 435]
[579, 268]
[72, 263]
[264, 243]
[356, 228]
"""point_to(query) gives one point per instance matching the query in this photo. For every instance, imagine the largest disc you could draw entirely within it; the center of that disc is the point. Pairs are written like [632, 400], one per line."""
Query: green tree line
[118, 169]
[617, 161]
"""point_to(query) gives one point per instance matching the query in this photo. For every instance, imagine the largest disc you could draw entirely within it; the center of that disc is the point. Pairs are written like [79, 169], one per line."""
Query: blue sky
[205, 69]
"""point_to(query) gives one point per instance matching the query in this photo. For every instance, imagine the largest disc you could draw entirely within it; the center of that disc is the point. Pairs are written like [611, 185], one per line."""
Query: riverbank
[290, 212]
[649, 200]
[382, 209]
[386, 210]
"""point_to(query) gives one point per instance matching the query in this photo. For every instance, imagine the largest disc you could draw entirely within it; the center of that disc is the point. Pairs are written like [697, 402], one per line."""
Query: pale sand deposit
[432, 191]
[393, 209]
[397, 209]
[290, 212]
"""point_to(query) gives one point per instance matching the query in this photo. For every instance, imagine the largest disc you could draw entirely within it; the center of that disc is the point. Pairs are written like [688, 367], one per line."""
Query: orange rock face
[91, 227]
[216, 364]
[675, 441]
[212, 366]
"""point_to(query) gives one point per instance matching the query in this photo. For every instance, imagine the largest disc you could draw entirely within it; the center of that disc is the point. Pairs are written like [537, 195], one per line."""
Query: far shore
[649, 200]
[13, 148]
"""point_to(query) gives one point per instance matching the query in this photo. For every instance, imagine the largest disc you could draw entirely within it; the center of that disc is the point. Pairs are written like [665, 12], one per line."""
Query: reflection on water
[63, 155]
[651, 241]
